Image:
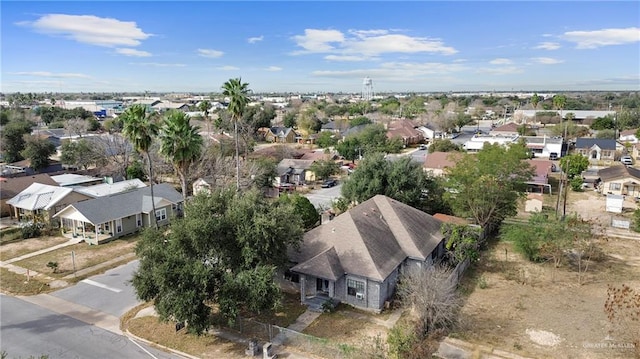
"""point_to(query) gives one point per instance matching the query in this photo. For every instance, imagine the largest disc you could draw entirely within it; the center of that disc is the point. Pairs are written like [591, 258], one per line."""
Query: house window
[354, 287]
[118, 225]
[614, 186]
[106, 226]
[606, 154]
[161, 214]
[292, 277]
[138, 220]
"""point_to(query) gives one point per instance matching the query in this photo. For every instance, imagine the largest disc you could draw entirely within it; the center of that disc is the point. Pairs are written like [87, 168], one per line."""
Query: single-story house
[544, 146]
[292, 171]
[437, 162]
[620, 180]
[427, 133]
[280, 134]
[628, 136]
[165, 106]
[597, 149]
[121, 214]
[406, 131]
[41, 201]
[542, 169]
[10, 187]
[357, 257]
[509, 129]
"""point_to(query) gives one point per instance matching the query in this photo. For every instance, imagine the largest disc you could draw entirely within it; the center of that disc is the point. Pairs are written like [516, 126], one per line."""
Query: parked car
[626, 160]
[553, 156]
[423, 147]
[329, 183]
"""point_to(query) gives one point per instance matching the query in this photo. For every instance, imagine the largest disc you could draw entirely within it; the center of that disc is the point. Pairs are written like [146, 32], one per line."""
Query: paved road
[28, 329]
[110, 293]
[324, 197]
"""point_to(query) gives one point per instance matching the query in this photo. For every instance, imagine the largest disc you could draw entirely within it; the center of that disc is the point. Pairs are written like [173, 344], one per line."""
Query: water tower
[367, 89]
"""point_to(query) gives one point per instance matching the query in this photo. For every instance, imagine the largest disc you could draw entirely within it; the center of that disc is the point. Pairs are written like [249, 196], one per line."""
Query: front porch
[320, 302]
[89, 237]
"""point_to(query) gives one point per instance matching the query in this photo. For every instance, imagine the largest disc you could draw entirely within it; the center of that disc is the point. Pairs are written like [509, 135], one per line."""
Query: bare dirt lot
[540, 311]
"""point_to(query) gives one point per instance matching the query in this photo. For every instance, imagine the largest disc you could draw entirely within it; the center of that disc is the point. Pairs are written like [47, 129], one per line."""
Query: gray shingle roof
[371, 240]
[617, 172]
[104, 209]
[603, 143]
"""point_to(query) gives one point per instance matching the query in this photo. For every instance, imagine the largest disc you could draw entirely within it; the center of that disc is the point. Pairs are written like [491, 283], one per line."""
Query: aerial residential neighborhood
[320, 180]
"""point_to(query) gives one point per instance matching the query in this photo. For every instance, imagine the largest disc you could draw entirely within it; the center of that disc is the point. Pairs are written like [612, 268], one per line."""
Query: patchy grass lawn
[85, 256]
[344, 325]
[204, 346]
[290, 311]
[25, 246]
[537, 310]
[17, 284]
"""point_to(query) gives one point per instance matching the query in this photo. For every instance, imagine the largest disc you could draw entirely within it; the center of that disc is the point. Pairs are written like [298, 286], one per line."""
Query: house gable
[372, 239]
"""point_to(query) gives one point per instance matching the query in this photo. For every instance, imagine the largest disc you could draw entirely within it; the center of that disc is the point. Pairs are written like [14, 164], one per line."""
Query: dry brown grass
[204, 346]
[85, 256]
[17, 284]
[18, 248]
[345, 326]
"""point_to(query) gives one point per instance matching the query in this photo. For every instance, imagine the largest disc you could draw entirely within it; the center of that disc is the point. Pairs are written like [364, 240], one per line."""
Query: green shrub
[401, 341]
[576, 184]
[636, 220]
[31, 230]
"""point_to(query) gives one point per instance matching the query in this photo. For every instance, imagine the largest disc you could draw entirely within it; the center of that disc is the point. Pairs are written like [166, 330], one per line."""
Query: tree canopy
[224, 252]
[38, 150]
[486, 186]
[13, 140]
[573, 165]
[401, 180]
[443, 146]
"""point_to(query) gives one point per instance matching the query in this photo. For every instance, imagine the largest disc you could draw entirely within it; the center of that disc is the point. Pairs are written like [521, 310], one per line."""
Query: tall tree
[325, 168]
[80, 154]
[205, 106]
[238, 93]
[559, 101]
[224, 252]
[181, 144]
[38, 150]
[13, 140]
[487, 186]
[535, 99]
[140, 130]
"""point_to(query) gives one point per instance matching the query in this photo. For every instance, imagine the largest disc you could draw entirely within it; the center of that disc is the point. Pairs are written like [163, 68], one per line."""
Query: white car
[626, 160]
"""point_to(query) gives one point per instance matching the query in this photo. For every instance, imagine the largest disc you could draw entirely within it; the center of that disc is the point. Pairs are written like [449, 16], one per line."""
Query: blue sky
[319, 46]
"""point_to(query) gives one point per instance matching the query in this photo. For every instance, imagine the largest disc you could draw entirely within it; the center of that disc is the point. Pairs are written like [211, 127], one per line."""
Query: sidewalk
[37, 253]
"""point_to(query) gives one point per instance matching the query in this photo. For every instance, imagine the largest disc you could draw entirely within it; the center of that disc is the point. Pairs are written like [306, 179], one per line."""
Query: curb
[130, 335]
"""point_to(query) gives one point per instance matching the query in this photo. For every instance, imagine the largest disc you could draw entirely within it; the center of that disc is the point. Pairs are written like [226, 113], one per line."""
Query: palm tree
[238, 94]
[140, 131]
[534, 101]
[205, 106]
[180, 143]
[559, 102]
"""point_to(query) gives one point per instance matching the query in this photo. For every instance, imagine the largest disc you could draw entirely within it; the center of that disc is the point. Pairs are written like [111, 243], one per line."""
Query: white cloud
[365, 44]
[500, 61]
[548, 46]
[315, 40]
[210, 53]
[604, 37]
[157, 64]
[89, 29]
[353, 58]
[253, 40]
[547, 60]
[274, 68]
[227, 68]
[507, 70]
[51, 74]
[133, 52]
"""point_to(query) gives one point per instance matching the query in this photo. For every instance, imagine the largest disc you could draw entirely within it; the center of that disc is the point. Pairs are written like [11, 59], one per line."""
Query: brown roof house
[405, 130]
[437, 162]
[620, 180]
[508, 129]
[357, 257]
[10, 187]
